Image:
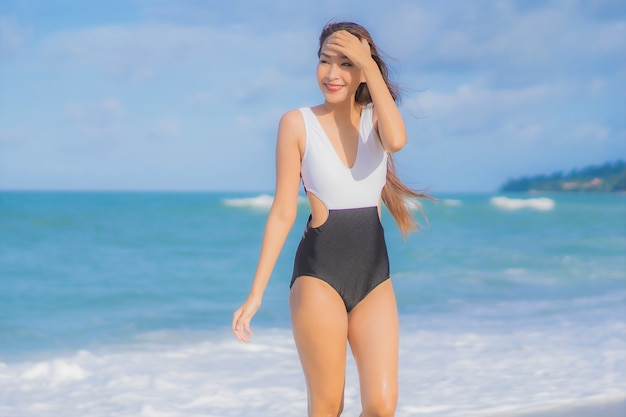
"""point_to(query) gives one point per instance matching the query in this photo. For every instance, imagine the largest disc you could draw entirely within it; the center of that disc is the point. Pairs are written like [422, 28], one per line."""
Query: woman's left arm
[387, 118]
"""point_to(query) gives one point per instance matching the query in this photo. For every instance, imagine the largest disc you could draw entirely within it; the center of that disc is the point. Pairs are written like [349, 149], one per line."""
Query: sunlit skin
[337, 76]
[321, 326]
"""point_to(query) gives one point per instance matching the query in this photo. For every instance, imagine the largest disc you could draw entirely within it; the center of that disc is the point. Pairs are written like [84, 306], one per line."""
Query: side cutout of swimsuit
[319, 211]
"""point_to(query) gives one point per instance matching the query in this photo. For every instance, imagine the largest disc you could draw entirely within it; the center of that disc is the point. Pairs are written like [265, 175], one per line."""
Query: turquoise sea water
[511, 279]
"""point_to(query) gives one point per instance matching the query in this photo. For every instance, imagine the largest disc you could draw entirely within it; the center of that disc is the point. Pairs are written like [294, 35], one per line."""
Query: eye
[323, 61]
[346, 64]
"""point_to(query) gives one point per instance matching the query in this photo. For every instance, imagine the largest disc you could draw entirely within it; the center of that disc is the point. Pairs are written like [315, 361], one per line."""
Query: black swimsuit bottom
[348, 252]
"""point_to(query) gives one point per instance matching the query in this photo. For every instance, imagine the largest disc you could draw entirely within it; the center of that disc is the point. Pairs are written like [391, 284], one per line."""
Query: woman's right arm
[280, 219]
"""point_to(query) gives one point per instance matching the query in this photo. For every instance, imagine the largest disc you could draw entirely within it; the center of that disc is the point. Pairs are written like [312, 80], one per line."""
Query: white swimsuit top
[328, 178]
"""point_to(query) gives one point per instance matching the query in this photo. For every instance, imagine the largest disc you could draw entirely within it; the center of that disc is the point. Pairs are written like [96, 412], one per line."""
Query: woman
[340, 289]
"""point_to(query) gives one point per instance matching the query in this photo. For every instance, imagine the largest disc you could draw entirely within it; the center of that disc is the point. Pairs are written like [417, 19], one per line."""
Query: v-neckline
[332, 147]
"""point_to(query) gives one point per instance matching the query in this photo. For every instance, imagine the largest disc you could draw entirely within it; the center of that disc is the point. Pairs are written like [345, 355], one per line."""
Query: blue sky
[187, 94]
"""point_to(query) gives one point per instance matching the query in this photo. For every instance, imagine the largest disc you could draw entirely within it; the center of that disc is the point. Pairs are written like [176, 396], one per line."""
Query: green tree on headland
[609, 177]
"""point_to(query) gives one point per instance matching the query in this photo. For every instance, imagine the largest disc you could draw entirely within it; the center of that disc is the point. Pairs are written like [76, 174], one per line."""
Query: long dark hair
[395, 193]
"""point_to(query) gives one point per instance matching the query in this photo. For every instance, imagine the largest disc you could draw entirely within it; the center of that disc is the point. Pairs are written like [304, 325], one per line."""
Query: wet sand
[612, 409]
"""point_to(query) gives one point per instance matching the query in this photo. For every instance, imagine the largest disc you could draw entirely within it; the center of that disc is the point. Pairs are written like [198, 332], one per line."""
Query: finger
[338, 38]
[346, 43]
[243, 337]
[238, 326]
[343, 34]
[332, 42]
[239, 335]
[236, 316]
[346, 37]
[242, 326]
[247, 329]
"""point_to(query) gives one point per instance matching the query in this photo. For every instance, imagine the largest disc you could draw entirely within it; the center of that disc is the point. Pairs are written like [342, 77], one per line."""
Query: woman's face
[337, 76]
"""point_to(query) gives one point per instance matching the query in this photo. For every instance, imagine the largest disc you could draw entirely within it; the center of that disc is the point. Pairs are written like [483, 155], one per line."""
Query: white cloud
[94, 120]
[12, 37]
[502, 75]
[133, 52]
[407, 29]
[591, 133]
[509, 46]
[97, 113]
[12, 135]
[142, 51]
[596, 86]
[472, 108]
[529, 131]
[201, 98]
[165, 128]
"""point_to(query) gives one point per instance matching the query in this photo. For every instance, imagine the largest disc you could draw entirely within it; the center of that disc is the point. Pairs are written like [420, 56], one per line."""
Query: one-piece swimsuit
[348, 251]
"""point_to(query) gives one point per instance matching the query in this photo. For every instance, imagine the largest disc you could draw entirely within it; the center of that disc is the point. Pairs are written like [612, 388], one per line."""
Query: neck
[346, 110]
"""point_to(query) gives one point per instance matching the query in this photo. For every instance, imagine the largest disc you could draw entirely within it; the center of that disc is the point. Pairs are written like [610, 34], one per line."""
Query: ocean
[120, 303]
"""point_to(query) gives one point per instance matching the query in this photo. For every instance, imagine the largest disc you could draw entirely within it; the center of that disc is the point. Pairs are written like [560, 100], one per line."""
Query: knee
[383, 407]
[328, 409]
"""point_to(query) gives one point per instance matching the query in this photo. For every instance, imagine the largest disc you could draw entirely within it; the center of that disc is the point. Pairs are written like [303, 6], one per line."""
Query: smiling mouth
[333, 88]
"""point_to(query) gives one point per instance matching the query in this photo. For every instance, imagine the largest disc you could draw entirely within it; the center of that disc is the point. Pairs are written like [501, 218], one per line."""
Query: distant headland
[609, 177]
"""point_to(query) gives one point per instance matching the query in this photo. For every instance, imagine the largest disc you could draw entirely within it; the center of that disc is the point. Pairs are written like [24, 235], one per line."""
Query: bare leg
[320, 328]
[373, 332]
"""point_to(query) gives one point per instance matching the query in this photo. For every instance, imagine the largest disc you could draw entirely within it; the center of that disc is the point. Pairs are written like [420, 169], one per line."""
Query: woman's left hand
[355, 49]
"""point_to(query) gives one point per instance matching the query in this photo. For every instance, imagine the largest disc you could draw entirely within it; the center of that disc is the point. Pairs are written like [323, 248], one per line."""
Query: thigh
[320, 328]
[373, 332]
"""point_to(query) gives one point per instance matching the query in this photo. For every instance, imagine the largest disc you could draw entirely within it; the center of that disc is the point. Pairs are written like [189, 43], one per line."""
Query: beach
[119, 304]
[610, 409]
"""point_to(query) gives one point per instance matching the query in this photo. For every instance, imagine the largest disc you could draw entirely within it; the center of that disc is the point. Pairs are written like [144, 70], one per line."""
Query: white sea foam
[449, 367]
[540, 203]
[262, 201]
[451, 202]
[55, 372]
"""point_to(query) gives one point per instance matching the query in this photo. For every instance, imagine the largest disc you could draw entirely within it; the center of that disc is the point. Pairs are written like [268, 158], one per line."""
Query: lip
[333, 88]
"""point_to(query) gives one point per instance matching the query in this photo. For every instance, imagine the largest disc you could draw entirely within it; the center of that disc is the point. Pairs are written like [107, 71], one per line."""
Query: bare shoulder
[292, 121]
[291, 130]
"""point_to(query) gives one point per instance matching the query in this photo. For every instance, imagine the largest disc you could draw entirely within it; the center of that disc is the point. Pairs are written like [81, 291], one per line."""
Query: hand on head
[356, 50]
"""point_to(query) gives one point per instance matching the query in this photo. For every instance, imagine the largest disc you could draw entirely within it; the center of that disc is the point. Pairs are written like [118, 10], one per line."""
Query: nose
[332, 71]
